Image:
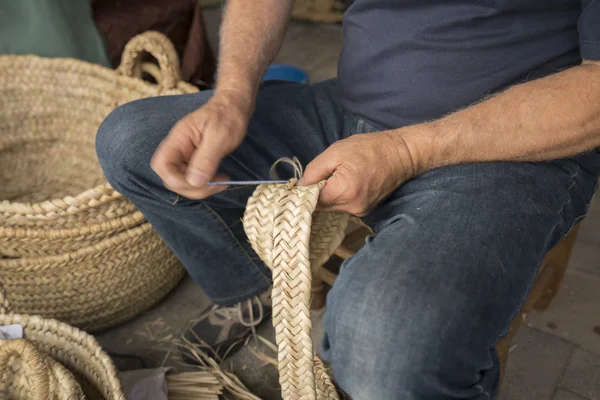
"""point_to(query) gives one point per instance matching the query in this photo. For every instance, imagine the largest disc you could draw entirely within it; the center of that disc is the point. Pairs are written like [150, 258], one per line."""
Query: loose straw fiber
[55, 361]
[291, 239]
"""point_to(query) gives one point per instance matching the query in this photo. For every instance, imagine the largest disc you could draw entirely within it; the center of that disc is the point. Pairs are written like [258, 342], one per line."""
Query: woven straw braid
[21, 242]
[55, 361]
[168, 61]
[283, 231]
[94, 287]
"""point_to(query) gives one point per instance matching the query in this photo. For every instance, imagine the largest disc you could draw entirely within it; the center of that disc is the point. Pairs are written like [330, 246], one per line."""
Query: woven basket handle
[161, 48]
[36, 370]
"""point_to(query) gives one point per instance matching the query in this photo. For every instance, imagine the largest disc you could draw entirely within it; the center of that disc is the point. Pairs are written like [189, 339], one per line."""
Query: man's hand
[191, 154]
[361, 171]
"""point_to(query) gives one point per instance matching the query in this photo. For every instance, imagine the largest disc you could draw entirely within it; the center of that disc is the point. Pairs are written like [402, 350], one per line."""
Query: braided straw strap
[280, 225]
[162, 49]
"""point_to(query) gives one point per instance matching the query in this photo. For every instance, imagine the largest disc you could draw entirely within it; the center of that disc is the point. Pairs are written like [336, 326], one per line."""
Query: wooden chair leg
[503, 347]
[324, 277]
[318, 291]
[543, 291]
[547, 296]
[557, 260]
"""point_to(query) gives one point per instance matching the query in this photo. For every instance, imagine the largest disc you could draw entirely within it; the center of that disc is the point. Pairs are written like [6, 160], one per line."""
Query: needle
[240, 183]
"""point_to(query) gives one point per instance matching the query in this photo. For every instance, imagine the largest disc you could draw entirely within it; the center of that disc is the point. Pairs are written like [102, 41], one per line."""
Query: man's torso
[408, 61]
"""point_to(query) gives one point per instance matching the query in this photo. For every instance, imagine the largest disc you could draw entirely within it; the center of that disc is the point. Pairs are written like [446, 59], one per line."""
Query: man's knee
[386, 340]
[129, 136]
[122, 143]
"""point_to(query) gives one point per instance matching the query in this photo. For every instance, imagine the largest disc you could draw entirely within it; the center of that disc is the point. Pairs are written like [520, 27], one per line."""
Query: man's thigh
[456, 251]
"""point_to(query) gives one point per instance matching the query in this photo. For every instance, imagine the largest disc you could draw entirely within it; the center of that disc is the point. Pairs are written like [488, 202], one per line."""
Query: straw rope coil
[294, 241]
[53, 187]
[54, 361]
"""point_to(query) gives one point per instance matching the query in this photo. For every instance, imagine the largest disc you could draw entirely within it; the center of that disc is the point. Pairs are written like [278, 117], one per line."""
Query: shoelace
[237, 312]
[252, 322]
[229, 312]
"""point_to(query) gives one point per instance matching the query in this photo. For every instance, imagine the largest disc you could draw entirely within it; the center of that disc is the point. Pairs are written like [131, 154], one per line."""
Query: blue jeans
[417, 313]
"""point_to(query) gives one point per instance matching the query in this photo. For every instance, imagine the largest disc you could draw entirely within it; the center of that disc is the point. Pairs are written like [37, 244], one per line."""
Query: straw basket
[319, 10]
[55, 361]
[95, 287]
[71, 247]
[54, 197]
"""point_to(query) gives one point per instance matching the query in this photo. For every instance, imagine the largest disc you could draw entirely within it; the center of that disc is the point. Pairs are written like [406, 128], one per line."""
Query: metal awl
[245, 183]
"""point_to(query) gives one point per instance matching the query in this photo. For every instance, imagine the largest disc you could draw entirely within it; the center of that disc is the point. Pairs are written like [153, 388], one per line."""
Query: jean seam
[237, 243]
[245, 295]
[562, 208]
[582, 216]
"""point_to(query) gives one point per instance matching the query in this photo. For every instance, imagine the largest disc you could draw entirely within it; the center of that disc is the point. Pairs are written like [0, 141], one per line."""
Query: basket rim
[94, 249]
[103, 71]
[126, 222]
[63, 204]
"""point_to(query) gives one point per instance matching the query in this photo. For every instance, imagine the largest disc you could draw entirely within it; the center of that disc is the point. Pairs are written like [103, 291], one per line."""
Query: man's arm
[552, 117]
[251, 35]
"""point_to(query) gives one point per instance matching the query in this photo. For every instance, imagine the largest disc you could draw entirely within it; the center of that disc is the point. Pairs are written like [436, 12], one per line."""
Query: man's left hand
[361, 171]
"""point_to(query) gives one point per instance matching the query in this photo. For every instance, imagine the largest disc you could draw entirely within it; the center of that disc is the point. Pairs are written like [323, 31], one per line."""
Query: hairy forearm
[552, 117]
[251, 35]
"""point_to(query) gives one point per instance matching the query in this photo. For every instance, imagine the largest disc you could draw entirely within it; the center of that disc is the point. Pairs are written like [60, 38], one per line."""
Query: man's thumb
[204, 163]
[317, 170]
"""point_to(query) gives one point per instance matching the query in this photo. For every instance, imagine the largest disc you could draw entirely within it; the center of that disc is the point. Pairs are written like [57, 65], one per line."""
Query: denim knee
[383, 342]
[129, 136]
[122, 142]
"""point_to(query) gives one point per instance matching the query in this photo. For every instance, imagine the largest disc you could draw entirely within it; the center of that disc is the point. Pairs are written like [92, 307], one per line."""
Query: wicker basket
[95, 287]
[55, 361]
[319, 10]
[55, 196]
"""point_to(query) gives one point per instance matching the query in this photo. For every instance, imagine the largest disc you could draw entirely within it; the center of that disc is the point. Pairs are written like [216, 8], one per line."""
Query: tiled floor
[556, 355]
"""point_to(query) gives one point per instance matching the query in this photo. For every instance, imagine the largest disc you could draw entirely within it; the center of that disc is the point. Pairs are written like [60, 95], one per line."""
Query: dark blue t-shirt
[410, 61]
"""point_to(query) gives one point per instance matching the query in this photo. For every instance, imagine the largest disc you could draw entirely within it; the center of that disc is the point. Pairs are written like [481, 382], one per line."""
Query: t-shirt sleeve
[589, 30]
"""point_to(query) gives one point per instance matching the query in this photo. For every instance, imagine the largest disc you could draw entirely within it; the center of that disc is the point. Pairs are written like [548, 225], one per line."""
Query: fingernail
[196, 178]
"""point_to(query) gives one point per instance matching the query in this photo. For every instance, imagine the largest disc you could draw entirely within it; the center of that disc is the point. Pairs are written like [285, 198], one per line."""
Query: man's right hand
[190, 155]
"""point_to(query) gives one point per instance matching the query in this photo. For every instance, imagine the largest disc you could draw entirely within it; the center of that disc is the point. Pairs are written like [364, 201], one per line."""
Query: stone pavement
[556, 355]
